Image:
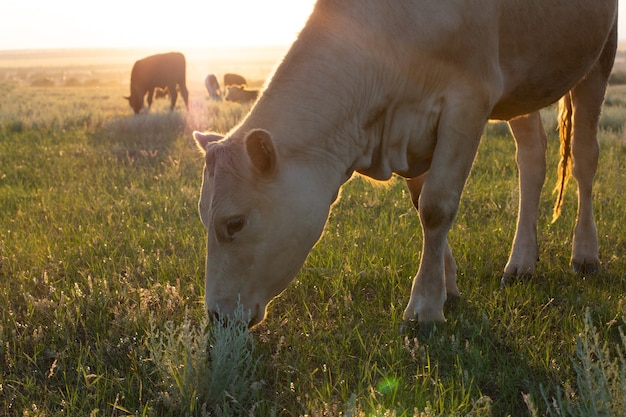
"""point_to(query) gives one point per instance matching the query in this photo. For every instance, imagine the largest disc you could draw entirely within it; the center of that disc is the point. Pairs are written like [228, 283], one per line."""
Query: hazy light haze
[44, 24]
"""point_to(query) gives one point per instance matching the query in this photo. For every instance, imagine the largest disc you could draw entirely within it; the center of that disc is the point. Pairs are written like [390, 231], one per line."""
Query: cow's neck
[346, 111]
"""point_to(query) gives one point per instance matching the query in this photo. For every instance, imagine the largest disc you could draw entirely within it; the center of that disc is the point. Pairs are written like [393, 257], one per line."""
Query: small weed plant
[600, 386]
[207, 369]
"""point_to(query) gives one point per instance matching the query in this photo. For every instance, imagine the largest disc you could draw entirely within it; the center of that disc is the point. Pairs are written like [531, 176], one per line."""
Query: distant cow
[213, 87]
[234, 79]
[164, 71]
[239, 94]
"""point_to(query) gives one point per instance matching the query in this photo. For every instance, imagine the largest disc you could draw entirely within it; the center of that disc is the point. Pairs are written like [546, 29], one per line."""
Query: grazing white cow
[405, 88]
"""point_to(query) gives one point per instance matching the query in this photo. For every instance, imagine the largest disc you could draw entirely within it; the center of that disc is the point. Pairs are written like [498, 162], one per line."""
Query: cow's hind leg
[586, 99]
[150, 97]
[450, 269]
[530, 140]
[185, 93]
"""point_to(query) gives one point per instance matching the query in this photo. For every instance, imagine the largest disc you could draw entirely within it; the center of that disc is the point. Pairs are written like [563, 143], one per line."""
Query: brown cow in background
[234, 79]
[239, 94]
[164, 71]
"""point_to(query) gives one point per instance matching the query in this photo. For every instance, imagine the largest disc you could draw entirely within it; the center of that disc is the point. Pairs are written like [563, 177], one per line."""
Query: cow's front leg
[530, 141]
[415, 189]
[173, 96]
[459, 132]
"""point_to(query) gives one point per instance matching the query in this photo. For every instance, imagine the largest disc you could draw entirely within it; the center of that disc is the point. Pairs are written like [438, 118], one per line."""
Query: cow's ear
[261, 151]
[203, 139]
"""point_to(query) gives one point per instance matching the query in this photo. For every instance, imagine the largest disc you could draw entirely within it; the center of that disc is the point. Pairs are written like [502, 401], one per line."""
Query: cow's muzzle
[250, 318]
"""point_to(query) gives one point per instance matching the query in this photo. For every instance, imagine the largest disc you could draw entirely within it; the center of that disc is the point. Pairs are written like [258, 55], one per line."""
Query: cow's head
[263, 213]
[234, 93]
[135, 102]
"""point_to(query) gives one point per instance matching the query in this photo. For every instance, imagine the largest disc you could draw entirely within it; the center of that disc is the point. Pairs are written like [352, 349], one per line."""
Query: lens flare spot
[388, 386]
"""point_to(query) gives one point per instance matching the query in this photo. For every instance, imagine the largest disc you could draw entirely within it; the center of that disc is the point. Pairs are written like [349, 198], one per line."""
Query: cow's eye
[234, 225]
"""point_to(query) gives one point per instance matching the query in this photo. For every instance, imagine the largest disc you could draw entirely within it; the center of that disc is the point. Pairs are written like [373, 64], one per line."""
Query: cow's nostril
[249, 319]
[215, 317]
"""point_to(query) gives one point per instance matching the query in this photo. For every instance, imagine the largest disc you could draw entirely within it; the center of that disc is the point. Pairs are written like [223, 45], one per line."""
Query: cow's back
[159, 71]
[234, 79]
[435, 44]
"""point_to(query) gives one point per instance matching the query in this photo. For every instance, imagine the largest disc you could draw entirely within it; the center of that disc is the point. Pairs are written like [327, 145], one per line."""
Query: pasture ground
[102, 261]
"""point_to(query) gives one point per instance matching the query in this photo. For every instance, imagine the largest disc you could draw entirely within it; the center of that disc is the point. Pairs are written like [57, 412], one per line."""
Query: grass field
[102, 263]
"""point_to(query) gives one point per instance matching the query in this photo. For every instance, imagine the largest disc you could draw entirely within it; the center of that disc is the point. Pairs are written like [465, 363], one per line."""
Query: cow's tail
[565, 164]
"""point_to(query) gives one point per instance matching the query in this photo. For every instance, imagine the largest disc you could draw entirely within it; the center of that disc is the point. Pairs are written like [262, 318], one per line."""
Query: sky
[44, 24]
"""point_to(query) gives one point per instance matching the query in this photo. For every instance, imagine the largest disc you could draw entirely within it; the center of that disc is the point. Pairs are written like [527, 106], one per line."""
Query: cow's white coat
[405, 87]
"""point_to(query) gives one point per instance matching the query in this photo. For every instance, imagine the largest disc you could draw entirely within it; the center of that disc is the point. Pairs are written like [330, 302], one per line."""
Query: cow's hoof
[507, 279]
[585, 268]
[407, 327]
[452, 301]
[510, 279]
[413, 328]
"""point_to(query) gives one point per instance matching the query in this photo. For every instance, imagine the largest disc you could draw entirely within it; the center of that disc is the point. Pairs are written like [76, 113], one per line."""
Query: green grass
[102, 262]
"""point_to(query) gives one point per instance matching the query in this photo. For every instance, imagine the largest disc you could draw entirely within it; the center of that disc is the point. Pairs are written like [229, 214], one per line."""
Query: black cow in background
[164, 71]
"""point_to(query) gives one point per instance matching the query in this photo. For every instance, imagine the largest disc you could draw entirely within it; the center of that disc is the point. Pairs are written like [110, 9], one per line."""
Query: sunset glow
[42, 24]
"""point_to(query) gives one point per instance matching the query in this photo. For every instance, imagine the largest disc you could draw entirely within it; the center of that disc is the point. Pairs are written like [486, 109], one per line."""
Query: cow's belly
[538, 69]
[530, 89]
[524, 102]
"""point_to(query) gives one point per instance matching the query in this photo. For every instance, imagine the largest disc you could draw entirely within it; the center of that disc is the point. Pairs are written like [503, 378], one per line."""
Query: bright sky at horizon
[44, 24]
